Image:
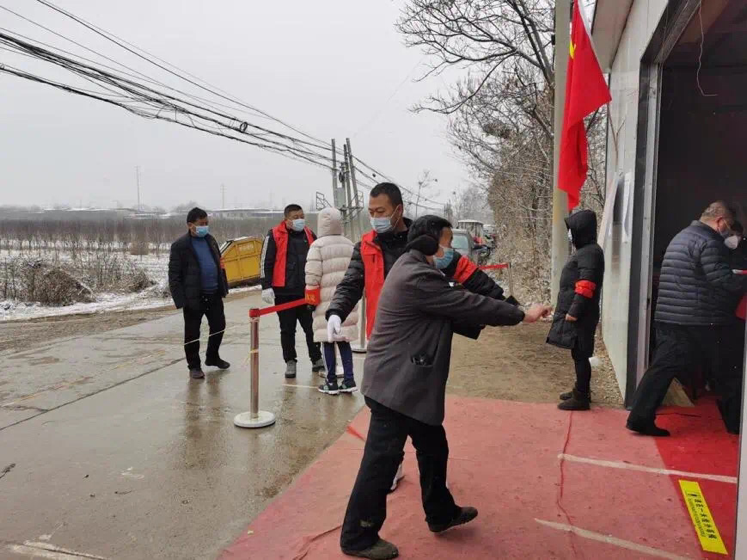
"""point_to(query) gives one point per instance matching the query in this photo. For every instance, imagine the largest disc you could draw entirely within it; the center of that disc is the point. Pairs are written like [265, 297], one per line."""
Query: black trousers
[288, 319]
[211, 306]
[583, 371]
[382, 455]
[733, 379]
[681, 349]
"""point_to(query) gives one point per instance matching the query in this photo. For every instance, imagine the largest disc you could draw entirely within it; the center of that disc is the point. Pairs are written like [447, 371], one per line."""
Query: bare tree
[424, 193]
[500, 111]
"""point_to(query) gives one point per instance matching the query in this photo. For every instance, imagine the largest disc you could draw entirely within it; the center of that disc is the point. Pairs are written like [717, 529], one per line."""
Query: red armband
[585, 288]
[465, 268]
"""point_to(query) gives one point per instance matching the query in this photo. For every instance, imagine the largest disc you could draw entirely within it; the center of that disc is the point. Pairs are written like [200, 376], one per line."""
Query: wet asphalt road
[110, 451]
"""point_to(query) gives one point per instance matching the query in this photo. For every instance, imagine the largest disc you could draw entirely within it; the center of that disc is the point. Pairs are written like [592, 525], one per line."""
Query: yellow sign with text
[705, 526]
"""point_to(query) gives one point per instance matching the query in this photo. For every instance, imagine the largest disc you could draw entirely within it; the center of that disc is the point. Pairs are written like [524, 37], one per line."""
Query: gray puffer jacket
[697, 286]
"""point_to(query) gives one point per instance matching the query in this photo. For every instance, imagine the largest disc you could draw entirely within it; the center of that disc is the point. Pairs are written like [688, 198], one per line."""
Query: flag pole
[560, 246]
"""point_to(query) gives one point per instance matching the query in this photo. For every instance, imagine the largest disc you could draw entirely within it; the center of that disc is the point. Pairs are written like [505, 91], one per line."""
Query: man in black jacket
[698, 296]
[198, 285]
[576, 316]
[283, 278]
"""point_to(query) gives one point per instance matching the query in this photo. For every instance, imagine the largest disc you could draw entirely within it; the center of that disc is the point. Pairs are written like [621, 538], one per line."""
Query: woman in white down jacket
[326, 264]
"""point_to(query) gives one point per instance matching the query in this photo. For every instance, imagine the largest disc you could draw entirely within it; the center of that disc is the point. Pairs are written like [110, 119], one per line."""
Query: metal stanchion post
[360, 348]
[255, 418]
[510, 280]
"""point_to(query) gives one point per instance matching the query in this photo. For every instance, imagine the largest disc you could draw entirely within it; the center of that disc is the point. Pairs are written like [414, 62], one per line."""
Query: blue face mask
[202, 231]
[443, 262]
[298, 225]
[381, 225]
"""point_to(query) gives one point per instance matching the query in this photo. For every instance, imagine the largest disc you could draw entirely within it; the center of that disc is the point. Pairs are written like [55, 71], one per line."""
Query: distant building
[241, 213]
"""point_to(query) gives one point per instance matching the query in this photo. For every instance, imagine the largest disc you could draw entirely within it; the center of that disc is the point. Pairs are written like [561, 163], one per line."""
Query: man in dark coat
[283, 278]
[198, 285]
[374, 256]
[698, 296]
[577, 312]
[404, 384]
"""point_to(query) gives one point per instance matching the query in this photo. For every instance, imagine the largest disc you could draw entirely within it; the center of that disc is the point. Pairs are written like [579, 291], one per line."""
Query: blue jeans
[330, 360]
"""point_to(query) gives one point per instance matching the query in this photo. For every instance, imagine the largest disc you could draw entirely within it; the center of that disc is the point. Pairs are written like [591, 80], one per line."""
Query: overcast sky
[329, 67]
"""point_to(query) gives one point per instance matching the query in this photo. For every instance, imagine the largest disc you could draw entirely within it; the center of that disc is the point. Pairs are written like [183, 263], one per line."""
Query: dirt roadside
[25, 335]
[516, 364]
[505, 363]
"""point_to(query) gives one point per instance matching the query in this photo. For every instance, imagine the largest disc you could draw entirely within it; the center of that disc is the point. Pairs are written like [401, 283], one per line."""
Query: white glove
[334, 328]
[268, 296]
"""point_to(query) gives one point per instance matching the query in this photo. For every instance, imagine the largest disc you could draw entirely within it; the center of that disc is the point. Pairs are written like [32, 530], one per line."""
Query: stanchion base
[358, 349]
[263, 419]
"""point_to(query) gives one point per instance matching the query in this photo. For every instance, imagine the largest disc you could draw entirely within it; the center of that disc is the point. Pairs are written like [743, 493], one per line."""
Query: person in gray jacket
[404, 384]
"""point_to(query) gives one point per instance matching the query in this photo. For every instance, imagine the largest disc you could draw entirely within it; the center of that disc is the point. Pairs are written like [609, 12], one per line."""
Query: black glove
[512, 301]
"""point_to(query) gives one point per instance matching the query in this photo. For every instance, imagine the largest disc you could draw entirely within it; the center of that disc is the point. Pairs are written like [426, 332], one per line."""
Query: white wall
[740, 552]
[621, 155]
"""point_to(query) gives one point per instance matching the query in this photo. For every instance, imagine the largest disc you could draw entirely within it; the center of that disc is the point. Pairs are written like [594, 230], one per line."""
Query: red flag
[585, 92]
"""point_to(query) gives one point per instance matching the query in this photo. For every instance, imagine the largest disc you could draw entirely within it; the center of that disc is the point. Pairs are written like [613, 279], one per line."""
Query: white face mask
[732, 242]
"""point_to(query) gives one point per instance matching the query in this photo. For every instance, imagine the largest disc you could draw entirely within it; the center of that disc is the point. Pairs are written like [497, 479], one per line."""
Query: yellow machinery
[241, 259]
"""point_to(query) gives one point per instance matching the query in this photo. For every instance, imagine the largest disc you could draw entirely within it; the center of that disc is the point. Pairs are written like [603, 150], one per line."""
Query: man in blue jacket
[198, 285]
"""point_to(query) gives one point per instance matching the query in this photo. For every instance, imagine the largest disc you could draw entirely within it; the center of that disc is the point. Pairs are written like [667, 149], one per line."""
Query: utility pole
[356, 214]
[560, 245]
[334, 171]
[137, 180]
[223, 196]
[348, 194]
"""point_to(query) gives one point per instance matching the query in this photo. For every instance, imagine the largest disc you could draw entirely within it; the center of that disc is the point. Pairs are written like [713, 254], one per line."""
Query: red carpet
[699, 443]
[505, 461]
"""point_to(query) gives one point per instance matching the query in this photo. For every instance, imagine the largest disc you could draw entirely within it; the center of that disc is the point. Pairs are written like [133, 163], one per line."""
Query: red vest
[373, 266]
[280, 235]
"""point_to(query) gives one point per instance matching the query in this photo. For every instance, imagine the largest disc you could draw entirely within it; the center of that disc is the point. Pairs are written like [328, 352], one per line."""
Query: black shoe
[330, 388]
[465, 515]
[647, 430]
[348, 386]
[578, 401]
[381, 550]
[220, 364]
[290, 369]
[569, 395]
[196, 374]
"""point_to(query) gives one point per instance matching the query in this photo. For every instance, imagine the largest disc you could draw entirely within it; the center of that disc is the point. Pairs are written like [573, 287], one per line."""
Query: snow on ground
[107, 302]
[156, 266]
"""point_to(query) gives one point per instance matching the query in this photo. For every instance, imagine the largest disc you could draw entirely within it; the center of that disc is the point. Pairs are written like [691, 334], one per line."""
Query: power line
[133, 49]
[126, 46]
[146, 77]
[150, 96]
[159, 116]
[122, 43]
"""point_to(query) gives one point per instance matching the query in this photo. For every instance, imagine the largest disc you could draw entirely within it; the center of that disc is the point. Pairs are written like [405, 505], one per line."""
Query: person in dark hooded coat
[577, 312]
